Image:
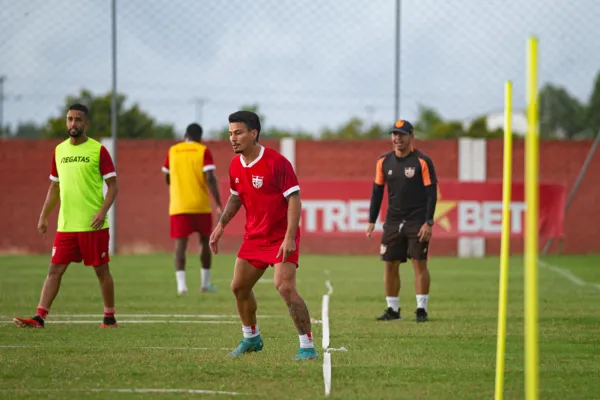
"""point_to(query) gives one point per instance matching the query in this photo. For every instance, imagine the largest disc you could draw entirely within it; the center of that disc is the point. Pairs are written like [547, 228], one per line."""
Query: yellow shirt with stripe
[186, 164]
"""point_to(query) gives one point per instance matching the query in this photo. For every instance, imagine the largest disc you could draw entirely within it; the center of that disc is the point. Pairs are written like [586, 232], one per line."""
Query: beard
[74, 132]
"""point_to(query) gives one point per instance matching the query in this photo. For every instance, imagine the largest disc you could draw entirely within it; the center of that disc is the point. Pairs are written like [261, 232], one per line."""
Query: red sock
[41, 312]
[109, 312]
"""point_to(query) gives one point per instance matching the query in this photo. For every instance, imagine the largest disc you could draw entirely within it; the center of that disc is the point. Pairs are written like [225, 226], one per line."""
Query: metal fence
[306, 64]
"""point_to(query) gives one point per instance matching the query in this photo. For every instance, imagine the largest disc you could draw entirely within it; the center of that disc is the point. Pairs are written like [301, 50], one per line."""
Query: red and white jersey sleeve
[233, 176]
[209, 163]
[53, 169]
[107, 167]
[285, 176]
[165, 167]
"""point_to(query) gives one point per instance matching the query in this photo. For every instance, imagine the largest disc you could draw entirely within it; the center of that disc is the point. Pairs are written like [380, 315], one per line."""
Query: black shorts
[400, 241]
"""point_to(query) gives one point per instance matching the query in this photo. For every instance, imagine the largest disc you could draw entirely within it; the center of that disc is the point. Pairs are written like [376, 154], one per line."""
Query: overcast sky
[307, 64]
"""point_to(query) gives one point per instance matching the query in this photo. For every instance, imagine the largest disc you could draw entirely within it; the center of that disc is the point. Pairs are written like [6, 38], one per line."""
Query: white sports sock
[393, 302]
[306, 341]
[422, 301]
[181, 285]
[205, 277]
[250, 331]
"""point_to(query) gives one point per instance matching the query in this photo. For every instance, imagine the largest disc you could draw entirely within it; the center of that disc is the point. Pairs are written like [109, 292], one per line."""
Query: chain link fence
[306, 65]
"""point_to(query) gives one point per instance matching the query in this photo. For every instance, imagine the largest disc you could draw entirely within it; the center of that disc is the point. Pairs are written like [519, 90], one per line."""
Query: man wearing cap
[412, 196]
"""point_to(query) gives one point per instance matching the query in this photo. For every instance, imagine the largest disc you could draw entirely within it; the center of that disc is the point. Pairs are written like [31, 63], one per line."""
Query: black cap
[402, 126]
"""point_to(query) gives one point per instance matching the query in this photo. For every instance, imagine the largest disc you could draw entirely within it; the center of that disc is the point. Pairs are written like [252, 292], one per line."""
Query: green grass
[451, 357]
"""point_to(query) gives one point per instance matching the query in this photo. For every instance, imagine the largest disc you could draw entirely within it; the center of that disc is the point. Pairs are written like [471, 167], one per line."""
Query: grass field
[451, 357]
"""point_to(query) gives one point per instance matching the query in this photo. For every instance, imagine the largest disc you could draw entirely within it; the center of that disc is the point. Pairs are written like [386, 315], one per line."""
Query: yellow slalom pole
[531, 225]
[505, 243]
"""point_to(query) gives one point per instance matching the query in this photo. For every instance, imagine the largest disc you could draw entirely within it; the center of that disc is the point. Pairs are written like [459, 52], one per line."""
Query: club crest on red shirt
[257, 181]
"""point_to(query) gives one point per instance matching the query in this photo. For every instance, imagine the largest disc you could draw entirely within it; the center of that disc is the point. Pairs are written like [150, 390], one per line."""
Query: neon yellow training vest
[81, 185]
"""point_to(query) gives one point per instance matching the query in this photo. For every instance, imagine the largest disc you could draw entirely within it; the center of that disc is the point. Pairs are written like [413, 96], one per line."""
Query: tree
[354, 129]
[269, 133]
[592, 117]
[28, 130]
[561, 115]
[479, 129]
[427, 119]
[132, 121]
[447, 130]
[4, 132]
[431, 125]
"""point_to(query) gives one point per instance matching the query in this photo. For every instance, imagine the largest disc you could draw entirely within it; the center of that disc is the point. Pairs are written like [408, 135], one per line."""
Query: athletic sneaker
[421, 315]
[307, 354]
[247, 345]
[35, 322]
[109, 322]
[390, 315]
[208, 289]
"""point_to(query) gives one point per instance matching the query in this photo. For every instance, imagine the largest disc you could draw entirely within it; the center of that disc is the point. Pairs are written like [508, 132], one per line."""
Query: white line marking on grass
[326, 349]
[156, 321]
[182, 348]
[207, 316]
[18, 346]
[565, 272]
[186, 391]
[336, 349]
[327, 372]
[261, 280]
[325, 320]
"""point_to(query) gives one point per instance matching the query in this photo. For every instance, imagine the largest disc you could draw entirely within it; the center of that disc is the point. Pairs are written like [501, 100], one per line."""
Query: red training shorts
[91, 247]
[183, 225]
[262, 257]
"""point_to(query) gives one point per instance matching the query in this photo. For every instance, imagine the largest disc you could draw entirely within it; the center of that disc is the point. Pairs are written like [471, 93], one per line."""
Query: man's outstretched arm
[51, 199]
[377, 192]
[293, 214]
[213, 186]
[234, 203]
[376, 200]
[231, 208]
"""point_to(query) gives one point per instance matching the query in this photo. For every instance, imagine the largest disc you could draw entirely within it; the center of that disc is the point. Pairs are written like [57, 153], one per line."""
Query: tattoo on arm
[231, 208]
[299, 313]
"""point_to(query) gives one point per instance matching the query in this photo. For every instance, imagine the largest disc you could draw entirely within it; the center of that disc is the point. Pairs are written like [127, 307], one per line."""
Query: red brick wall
[25, 167]
[142, 205]
[560, 162]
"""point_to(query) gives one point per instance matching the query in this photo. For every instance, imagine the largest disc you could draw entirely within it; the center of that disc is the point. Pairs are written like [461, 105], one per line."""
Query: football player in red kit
[264, 182]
